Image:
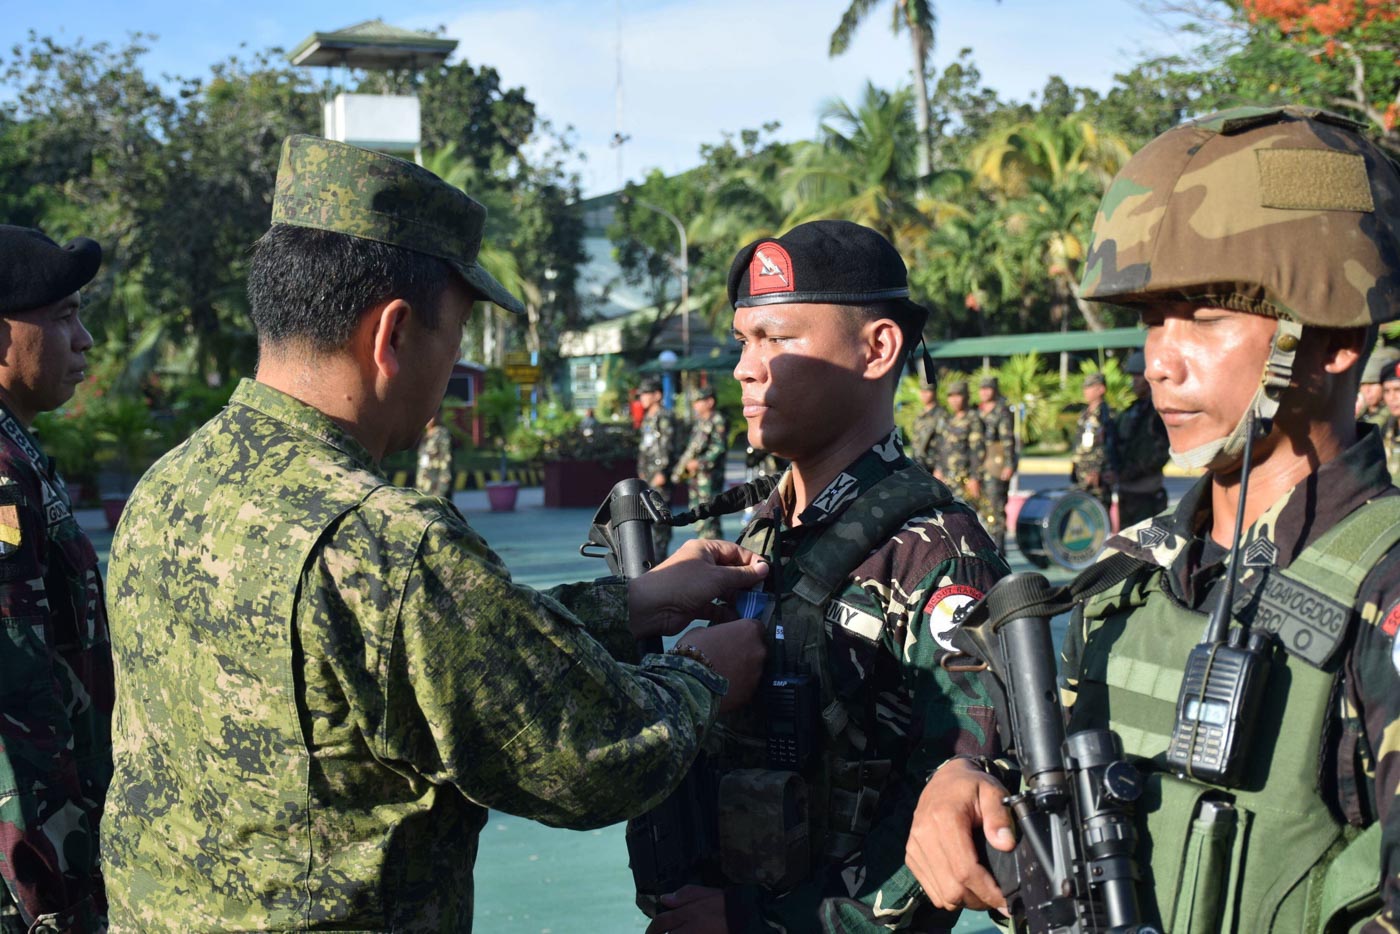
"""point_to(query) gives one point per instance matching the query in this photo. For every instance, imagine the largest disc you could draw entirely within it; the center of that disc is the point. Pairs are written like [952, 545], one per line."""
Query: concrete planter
[501, 495]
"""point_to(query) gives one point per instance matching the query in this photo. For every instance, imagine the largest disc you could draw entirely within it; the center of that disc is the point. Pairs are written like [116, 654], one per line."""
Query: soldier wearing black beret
[872, 559]
[56, 670]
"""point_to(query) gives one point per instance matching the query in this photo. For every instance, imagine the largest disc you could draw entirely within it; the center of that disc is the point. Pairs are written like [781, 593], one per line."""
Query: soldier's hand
[959, 800]
[737, 651]
[694, 909]
[677, 591]
[658, 479]
[974, 487]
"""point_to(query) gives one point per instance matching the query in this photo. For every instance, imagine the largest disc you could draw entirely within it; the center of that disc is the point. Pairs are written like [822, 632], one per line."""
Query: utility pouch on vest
[1195, 863]
[764, 828]
[854, 797]
[1342, 895]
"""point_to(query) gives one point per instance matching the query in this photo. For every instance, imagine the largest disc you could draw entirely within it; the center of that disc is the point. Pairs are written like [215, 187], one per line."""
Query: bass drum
[1064, 527]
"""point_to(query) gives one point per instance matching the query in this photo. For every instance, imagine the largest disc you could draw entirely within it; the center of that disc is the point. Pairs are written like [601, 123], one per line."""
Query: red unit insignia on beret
[770, 270]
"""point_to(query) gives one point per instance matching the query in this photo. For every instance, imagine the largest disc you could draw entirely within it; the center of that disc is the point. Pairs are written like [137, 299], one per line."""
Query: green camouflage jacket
[1095, 441]
[55, 699]
[891, 629]
[656, 451]
[709, 443]
[1143, 448]
[998, 439]
[1360, 774]
[324, 681]
[928, 430]
[961, 449]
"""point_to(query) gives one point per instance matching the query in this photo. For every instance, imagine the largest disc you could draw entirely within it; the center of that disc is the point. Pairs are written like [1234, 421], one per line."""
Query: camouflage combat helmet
[1285, 211]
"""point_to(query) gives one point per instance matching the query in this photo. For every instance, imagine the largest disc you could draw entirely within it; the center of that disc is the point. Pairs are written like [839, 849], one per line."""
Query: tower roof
[372, 45]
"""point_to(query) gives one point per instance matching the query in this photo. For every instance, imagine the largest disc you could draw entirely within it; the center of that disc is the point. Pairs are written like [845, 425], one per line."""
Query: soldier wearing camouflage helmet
[1143, 450]
[873, 559]
[1262, 248]
[55, 655]
[1370, 406]
[324, 679]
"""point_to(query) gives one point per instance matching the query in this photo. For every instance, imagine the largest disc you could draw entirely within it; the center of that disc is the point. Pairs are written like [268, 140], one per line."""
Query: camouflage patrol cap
[1381, 358]
[344, 189]
[1288, 212]
[1095, 379]
[989, 382]
[958, 388]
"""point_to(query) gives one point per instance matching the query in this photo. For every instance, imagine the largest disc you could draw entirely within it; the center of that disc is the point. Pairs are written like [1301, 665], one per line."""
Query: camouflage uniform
[709, 444]
[928, 434]
[656, 454]
[999, 441]
[963, 452]
[887, 630]
[1144, 450]
[434, 475]
[1390, 438]
[55, 700]
[1360, 772]
[325, 680]
[1095, 451]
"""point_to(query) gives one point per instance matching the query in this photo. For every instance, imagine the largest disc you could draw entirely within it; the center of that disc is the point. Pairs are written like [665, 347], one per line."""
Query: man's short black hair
[309, 286]
[909, 321]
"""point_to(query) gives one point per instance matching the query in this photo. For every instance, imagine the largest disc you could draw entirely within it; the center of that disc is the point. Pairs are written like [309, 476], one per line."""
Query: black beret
[821, 262]
[35, 271]
[650, 384]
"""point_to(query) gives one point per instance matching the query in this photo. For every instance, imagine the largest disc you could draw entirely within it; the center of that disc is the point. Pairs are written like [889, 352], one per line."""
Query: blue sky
[692, 69]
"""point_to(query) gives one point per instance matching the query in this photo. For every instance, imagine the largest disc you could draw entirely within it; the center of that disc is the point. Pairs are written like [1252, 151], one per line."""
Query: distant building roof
[371, 45]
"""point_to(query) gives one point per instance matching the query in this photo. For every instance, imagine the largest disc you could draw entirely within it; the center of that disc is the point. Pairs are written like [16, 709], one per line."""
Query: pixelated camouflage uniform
[962, 452]
[928, 432]
[709, 444]
[325, 680]
[1208, 213]
[999, 441]
[887, 629]
[1095, 451]
[1144, 450]
[434, 475]
[656, 454]
[55, 700]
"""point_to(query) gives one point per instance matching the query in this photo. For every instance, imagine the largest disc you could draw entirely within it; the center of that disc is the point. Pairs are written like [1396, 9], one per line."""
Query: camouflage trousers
[1138, 507]
[703, 488]
[661, 534]
[993, 509]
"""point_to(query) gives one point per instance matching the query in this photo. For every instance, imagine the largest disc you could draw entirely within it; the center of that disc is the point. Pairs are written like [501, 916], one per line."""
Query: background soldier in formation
[999, 463]
[928, 431]
[702, 461]
[1305, 835]
[656, 454]
[1144, 449]
[875, 560]
[55, 653]
[434, 474]
[1370, 406]
[961, 452]
[1390, 430]
[1095, 444]
[324, 679]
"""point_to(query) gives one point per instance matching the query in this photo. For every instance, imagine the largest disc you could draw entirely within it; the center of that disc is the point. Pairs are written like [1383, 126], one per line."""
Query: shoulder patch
[942, 611]
[1391, 623]
[10, 538]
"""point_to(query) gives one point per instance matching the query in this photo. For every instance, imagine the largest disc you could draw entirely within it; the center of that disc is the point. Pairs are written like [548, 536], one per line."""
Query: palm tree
[918, 18]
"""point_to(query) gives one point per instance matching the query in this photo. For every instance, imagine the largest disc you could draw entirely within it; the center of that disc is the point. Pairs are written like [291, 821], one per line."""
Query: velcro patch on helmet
[1314, 180]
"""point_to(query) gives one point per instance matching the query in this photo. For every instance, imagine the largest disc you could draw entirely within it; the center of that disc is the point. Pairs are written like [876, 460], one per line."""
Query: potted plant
[500, 409]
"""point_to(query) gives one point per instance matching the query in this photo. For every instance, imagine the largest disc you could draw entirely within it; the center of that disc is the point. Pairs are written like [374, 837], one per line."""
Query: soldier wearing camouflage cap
[701, 464]
[1370, 406]
[56, 658]
[873, 560]
[1095, 447]
[1261, 247]
[325, 679]
[1000, 457]
[1389, 380]
[961, 448]
[658, 445]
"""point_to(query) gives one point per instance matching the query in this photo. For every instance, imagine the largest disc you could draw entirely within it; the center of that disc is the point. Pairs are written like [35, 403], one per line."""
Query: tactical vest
[1269, 855]
[760, 842]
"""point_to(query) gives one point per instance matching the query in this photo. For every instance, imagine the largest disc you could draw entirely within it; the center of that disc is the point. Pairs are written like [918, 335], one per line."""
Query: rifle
[1073, 870]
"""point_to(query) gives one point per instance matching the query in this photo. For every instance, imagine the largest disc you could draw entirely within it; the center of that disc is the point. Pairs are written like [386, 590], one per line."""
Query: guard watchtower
[385, 122]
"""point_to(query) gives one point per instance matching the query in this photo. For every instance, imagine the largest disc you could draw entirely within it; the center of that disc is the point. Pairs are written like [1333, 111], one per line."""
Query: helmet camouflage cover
[1288, 212]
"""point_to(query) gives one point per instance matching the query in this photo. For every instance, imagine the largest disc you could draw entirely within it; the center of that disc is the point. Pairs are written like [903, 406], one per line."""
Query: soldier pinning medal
[812, 782]
[325, 680]
[999, 459]
[1144, 450]
[657, 447]
[1095, 444]
[56, 656]
[701, 464]
[1261, 247]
